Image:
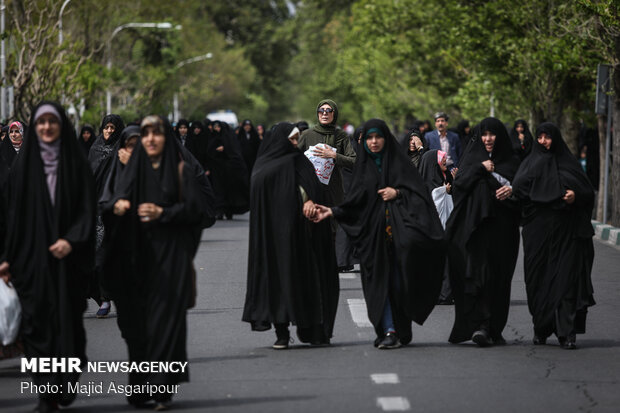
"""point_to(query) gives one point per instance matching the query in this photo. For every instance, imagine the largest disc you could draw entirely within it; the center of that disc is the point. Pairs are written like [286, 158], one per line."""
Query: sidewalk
[606, 233]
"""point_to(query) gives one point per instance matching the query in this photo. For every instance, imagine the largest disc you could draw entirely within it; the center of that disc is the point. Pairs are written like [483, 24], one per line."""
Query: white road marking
[348, 276]
[392, 404]
[357, 307]
[385, 378]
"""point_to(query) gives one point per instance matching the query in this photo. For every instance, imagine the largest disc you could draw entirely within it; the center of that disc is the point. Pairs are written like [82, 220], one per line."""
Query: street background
[233, 369]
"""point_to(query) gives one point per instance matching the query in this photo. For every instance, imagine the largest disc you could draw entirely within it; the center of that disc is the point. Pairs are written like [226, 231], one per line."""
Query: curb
[606, 233]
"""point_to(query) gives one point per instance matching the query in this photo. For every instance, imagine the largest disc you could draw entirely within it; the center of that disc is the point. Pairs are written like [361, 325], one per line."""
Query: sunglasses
[326, 110]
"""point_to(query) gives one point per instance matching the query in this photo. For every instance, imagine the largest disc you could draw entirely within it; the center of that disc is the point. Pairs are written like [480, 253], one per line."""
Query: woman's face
[131, 143]
[294, 139]
[153, 142]
[488, 140]
[217, 127]
[545, 140]
[15, 136]
[443, 164]
[86, 135]
[48, 128]
[519, 128]
[467, 129]
[375, 142]
[108, 130]
[260, 129]
[325, 114]
[182, 130]
[197, 131]
[247, 127]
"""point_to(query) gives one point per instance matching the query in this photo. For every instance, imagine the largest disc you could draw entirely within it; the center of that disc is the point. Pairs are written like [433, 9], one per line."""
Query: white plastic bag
[322, 167]
[10, 313]
[443, 203]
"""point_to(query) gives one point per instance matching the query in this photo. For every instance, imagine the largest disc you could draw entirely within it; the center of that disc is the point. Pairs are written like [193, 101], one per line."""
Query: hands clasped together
[147, 211]
[317, 213]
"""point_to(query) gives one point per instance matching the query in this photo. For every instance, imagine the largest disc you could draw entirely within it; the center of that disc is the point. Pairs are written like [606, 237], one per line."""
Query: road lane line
[359, 314]
[385, 378]
[393, 404]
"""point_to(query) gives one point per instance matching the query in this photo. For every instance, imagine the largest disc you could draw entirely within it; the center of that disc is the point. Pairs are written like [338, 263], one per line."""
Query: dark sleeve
[80, 232]
[193, 208]
[345, 155]
[302, 145]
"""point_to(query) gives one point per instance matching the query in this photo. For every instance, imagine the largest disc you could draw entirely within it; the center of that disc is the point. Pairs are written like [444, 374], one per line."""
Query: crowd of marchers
[433, 219]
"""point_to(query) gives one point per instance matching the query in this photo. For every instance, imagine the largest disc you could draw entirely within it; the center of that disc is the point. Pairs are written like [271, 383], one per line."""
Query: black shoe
[481, 338]
[104, 311]
[229, 216]
[445, 301]
[346, 268]
[567, 343]
[539, 341]
[499, 340]
[281, 343]
[162, 406]
[389, 341]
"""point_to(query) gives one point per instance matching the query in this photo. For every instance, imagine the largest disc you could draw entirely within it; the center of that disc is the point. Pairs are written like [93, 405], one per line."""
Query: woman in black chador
[101, 157]
[292, 274]
[521, 138]
[249, 143]
[227, 172]
[162, 198]
[50, 244]
[391, 218]
[557, 237]
[483, 235]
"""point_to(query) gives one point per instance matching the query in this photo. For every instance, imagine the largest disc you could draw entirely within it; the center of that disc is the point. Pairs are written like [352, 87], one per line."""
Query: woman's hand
[448, 188]
[124, 155]
[5, 275]
[488, 165]
[415, 144]
[220, 148]
[569, 197]
[61, 248]
[309, 209]
[503, 193]
[121, 206]
[388, 193]
[321, 213]
[149, 212]
[324, 152]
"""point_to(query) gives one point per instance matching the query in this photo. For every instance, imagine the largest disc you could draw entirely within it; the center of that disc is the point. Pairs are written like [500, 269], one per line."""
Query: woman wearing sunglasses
[325, 132]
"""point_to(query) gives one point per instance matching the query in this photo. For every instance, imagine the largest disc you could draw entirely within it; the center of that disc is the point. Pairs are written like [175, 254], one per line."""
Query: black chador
[51, 198]
[557, 238]
[483, 235]
[400, 242]
[249, 143]
[292, 274]
[102, 156]
[159, 290]
[228, 172]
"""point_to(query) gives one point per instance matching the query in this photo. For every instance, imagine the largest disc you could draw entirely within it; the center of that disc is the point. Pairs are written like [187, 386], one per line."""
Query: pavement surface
[233, 369]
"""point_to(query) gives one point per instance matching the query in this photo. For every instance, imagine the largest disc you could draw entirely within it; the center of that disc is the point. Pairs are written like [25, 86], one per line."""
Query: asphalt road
[233, 369]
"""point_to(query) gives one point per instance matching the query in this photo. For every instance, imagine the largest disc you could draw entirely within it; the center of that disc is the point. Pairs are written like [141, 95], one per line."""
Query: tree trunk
[602, 142]
[615, 172]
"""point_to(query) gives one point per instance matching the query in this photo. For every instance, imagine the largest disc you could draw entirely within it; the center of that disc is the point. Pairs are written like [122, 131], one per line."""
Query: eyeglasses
[325, 110]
